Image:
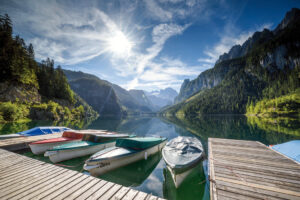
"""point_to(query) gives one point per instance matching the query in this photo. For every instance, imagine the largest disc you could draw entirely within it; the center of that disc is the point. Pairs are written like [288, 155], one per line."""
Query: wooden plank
[152, 198]
[50, 185]
[97, 194]
[247, 152]
[74, 188]
[92, 190]
[257, 176]
[121, 193]
[130, 195]
[253, 162]
[56, 187]
[272, 170]
[33, 185]
[60, 190]
[27, 175]
[20, 169]
[19, 187]
[252, 191]
[262, 181]
[140, 196]
[258, 161]
[259, 186]
[237, 148]
[83, 189]
[19, 166]
[246, 155]
[230, 195]
[213, 190]
[33, 191]
[112, 191]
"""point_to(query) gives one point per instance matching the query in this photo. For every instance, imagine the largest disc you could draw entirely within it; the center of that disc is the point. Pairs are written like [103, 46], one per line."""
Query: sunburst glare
[119, 44]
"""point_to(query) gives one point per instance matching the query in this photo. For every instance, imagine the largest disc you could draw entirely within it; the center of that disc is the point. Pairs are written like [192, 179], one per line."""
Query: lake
[151, 175]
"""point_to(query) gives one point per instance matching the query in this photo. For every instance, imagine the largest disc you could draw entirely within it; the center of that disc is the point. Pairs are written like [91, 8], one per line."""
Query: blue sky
[150, 44]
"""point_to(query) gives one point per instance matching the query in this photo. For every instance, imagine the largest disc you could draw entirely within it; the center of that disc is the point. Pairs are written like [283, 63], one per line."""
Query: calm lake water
[151, 175]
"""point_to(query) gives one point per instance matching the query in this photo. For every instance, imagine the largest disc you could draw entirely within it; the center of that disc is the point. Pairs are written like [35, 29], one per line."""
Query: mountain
[161, 98]
[141, 98]
[127, 100]
[107, 98]
[104, 101]
[34, 91]
[266, 66]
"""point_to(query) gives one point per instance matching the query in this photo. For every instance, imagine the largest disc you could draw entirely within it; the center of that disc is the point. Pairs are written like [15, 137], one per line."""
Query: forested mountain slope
[31, 90]
[266, 66]
[107, 98]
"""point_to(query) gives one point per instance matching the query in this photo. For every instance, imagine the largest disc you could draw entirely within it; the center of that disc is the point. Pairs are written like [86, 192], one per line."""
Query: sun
[119, 44]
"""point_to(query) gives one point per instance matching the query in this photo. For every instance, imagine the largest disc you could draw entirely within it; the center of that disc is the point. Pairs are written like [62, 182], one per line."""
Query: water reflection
[194, 185]
[134, 174]
[151, 176]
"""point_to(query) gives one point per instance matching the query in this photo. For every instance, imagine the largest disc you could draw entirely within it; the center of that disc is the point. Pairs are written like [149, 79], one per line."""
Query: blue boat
[42, 130]
[290, 149]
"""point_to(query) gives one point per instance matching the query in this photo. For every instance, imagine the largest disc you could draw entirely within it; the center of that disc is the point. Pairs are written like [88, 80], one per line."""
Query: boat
[181, 155]
[290, 149]
[194, 185]
[134, 174]
[126, 151]
[40, 147]
[90, 144]
[42, 130]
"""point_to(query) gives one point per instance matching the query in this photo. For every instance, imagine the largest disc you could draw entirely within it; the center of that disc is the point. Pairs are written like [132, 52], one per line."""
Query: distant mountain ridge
[161, 98]
[267, 65]
[106, 98]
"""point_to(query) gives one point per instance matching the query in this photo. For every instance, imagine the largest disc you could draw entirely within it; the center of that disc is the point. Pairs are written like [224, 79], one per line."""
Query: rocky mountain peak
[241, 50]
[290, 16]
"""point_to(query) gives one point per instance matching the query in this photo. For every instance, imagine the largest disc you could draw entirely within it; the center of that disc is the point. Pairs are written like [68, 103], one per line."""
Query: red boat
[40, 147]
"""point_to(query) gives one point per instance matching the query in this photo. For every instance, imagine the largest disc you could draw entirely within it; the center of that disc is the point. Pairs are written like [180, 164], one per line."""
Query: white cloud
[228, 39]
[72, 34]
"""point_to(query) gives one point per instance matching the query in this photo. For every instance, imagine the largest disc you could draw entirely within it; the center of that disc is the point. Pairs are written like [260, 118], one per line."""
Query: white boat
[90, 144]
[181, 155]
[40, 147]
[127, 151]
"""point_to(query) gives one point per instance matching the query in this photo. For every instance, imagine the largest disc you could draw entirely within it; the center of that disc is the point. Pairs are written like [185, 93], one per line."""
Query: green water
[151, 175]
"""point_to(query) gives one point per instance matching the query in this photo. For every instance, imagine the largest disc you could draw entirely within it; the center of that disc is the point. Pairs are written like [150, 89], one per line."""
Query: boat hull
[178, 178]
[61, 155]
[105, 166]
[42, 148]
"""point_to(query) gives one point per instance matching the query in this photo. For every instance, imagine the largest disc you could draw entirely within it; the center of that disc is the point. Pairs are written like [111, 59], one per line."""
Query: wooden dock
[22, 177]
[242, 169]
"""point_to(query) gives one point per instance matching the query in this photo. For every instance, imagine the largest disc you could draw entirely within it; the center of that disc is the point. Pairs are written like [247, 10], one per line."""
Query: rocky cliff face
[24, 93]
[278, 57]
[241, 50]
[292, 15]
[206, 80]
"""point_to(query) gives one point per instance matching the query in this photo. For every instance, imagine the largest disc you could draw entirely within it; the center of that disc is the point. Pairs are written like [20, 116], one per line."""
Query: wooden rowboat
[126, 151]
[91, 143]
